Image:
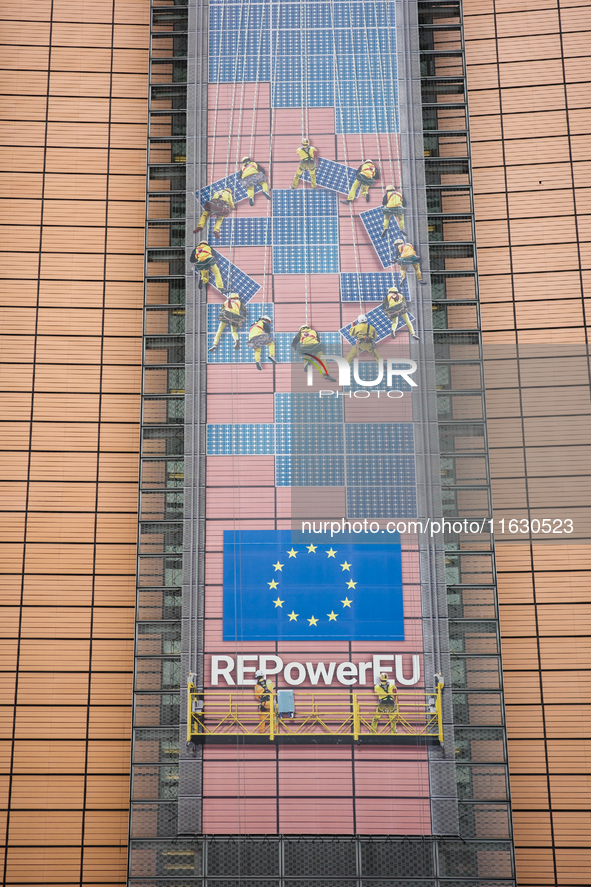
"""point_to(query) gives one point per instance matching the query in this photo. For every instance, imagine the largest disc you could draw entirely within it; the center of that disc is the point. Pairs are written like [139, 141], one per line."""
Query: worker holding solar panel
[365, 176]
[251, 175]
[393, 204]
[220, 206]
[366, 337]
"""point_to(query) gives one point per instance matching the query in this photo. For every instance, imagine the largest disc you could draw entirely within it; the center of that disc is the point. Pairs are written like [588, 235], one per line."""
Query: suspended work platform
[316, 717]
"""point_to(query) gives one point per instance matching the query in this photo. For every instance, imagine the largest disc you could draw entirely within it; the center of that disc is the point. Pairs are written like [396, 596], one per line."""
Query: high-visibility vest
[394, 300]
[249, 169]
[407, 251]
[385, 692]
[224, 195]
[257, 329]
[394, 199]
[368, 170]
[233, 304]
[308, 337]
[369, 335]
[203, 253]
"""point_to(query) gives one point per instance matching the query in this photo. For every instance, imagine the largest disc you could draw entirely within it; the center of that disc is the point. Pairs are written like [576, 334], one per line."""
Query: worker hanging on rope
[259, 335]
[406, 255]
[253, 174]
[387, 703]
[263, 691]
[395, 306]
[393, 204]
[307, 343]
[233, 313]
[366, 337]
[205, 259]
[307, 154]
[365, 176]
[220, 206]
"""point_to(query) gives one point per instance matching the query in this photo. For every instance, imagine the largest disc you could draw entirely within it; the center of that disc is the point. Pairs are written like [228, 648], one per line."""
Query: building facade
[491, 110]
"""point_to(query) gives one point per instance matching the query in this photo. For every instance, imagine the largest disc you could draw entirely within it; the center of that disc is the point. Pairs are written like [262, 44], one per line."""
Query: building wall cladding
[527, 67]
[74, 108]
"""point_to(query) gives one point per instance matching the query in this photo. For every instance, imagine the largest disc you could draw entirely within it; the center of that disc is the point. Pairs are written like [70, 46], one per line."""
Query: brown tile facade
[74, 81]
[528, 67]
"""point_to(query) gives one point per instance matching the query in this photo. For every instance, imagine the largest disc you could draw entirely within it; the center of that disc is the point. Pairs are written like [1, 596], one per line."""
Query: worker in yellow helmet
[233, 313]
[220, 206]
[253, 174]
[393, 204]
[394, 306]
[263, 691]
[366, 337]
[204, 257]
[307, 154]
[307, 343]
[387, 703]
[259, 335]
[406, 255]
[365, 176]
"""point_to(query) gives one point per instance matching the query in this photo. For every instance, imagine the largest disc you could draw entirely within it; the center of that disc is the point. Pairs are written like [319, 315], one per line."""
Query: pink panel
[315, 752]
[249, 259]
[241, 408]
[400, 778]
[223, 95]
[367, 753]
[228, 152]
[246, 816]
[351, 228]
[221, 123]
[321, 315]
[285, 147]
[364, 259]
[369, 146]
[263, 280]
[322, 495]
[226, 470]
[239, 777]
[315, 778]
[239, 752]
[289, 120]
[390, 816]
[240, 501]
[311, 816]
[215, 529]
[321, 288]
[222, 378]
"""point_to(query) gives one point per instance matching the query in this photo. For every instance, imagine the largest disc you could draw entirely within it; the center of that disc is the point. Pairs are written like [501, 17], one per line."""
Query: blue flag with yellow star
[275, 590]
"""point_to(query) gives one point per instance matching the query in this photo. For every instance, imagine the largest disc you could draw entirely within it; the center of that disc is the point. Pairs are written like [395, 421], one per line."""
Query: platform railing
[222, 714]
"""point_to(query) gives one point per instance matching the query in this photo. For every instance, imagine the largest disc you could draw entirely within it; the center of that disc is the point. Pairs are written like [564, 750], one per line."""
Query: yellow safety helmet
[394, 289]
[400, 240]
[384, 676]
[305, 326]
[245, 159]
[305, 143]
[391, 188]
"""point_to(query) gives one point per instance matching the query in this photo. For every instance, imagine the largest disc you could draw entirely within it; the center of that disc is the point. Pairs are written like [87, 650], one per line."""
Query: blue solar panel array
[243, 232]
[330, 53]
[381, 502]
[305, 232]
[307, 407]
[367, 287]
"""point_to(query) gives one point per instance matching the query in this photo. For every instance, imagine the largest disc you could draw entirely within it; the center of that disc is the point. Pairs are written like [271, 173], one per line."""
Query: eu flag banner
[276, 590]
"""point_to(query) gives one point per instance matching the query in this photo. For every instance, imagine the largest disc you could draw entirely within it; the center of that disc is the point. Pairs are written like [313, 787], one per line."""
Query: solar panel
[373, 221]
[242, 232]
[236, 280]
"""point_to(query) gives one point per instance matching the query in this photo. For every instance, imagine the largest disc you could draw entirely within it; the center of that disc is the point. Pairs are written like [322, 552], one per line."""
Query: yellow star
[332, 616]
[272, 584]
[345, 566]
[278, 603]
[292, 553]
[346, 602]
[278, 566]
[312, 548]
[293, 617]
[331, 553]
[313, 621]
[351, 584]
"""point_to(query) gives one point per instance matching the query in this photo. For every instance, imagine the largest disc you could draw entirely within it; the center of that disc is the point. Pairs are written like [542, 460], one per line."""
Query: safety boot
[259, 367]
